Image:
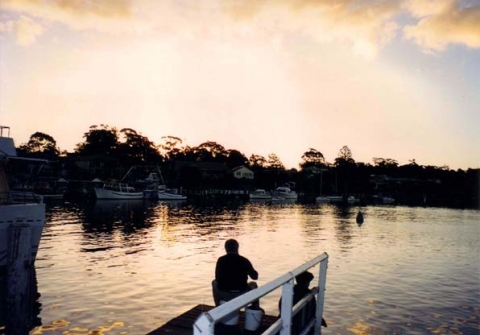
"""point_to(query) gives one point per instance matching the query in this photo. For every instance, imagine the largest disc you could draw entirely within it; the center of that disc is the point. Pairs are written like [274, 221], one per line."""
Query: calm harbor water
[127, 267]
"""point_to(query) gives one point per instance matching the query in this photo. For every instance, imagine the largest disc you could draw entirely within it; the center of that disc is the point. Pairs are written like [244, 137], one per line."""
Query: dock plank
[183, 324]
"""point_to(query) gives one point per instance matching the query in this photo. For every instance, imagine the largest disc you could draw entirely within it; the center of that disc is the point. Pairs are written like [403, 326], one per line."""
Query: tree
[138, 149]
[171, 147]
[99, 140]
[345, 171]
[40, 145]
[344, 157]
[274, 162]
[210, 151]
[385, 162]
[235, 158]
[411, 170]
[312, 157]
[257, 161]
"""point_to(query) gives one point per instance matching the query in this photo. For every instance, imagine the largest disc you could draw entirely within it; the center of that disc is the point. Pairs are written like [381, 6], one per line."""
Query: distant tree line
[413, 183]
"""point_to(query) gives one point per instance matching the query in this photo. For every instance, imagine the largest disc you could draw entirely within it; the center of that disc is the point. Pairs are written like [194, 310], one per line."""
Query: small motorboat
[260, 194]
[285, 193]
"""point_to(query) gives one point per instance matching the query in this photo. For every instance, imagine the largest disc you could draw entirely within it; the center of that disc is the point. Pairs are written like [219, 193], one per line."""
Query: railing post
[286, 308]
[322, 282]
[204, 325]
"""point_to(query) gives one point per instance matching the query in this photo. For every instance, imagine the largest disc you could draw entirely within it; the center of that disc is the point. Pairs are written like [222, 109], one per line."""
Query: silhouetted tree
[344, 157]
[171, 147]
[40, 145]
[137, 149]
[312, 157]
[257, 162]
[235, 158]
[385, 162]
[411, 170]
[99, 140]
[345, 171]
[210, 151]
[274, 162]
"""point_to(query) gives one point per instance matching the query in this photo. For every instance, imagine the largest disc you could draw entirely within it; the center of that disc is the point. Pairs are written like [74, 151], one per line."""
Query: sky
[395, 79]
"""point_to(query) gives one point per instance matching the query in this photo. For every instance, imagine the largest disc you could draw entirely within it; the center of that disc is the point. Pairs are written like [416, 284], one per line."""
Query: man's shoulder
[233, 256]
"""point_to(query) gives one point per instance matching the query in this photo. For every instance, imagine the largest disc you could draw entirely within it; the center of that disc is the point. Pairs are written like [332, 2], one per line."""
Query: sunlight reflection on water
[130, 266]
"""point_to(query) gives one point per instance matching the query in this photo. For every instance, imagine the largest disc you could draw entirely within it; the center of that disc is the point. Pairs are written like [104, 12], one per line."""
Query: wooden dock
[183, 324]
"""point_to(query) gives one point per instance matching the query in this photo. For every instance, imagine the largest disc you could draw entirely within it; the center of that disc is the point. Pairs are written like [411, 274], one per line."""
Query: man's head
[231, 246]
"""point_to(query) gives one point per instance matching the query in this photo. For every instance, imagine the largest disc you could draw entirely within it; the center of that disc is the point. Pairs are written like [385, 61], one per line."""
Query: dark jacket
[232, 272]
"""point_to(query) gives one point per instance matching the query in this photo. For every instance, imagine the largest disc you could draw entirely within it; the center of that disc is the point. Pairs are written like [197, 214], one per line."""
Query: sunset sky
[394, 79]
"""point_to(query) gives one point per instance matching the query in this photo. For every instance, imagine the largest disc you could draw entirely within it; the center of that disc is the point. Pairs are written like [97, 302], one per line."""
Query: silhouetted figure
[231, 275]
[300, 290]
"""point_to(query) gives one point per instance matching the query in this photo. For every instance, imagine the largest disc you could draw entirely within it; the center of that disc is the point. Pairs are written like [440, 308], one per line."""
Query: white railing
[205, 324]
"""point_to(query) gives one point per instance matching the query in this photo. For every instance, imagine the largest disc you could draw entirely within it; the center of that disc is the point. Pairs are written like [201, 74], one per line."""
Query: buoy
[359, 217]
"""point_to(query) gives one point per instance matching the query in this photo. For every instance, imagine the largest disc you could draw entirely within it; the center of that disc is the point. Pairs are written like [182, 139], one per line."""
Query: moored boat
[12, 213]
[388, 200]
[33, 196]
[385, 200]
[322, 199]
[353, 200]
[166, 194]
[117, 191]
[30, 214]
[335, 198]
[260, 194]
[161, 192]
[285, 192]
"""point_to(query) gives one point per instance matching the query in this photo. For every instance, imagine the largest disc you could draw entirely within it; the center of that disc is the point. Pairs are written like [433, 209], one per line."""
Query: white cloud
[25, 30]
[364, 25]
[443, 22]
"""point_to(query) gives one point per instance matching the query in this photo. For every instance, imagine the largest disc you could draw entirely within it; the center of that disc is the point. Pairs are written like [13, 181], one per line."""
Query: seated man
[231, 274]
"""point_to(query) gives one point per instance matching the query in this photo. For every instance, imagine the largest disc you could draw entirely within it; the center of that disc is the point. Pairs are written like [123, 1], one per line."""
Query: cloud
[364, 25]
[370, 24]
[443, 22]
[101, 9]
[24, 29]
[79, 14]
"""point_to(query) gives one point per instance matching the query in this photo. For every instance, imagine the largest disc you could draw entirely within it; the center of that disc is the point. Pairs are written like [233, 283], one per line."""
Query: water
[127, 267]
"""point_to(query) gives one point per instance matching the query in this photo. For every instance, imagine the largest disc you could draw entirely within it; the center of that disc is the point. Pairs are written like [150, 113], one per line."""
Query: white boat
[260, 194]
[167, 194]
[322, 199]
[29, 214]
[161, 192]
[388, 200]
[117, 191]
[155, 187]
[353, 200]
[335, 198]
[29, 196]
[171, 196]
[379, 199]
[285, 192]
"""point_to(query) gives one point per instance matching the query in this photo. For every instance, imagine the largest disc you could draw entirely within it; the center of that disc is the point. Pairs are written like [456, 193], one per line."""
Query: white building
[242, 172]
